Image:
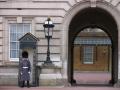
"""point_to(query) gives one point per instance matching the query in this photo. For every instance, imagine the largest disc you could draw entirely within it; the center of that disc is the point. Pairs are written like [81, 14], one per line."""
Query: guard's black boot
[23, 82]
[28, 84]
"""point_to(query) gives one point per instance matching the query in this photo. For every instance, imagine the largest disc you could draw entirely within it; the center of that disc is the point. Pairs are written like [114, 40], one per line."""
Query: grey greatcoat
[25, 69]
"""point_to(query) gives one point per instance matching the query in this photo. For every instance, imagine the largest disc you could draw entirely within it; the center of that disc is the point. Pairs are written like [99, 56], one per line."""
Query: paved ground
[57, 88]
[81, 78]
[92, 77]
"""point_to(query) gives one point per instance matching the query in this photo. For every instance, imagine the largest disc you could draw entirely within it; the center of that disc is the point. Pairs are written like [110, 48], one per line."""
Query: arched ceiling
[93, 17]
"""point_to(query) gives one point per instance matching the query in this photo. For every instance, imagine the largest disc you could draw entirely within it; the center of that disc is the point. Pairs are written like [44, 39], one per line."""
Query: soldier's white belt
[24, 67]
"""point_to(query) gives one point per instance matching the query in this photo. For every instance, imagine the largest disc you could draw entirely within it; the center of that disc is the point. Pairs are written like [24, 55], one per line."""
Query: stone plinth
[50, 75]
[117, 84]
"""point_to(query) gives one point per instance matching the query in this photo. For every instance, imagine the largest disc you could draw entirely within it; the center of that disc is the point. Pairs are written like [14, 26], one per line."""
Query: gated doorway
[94, 18]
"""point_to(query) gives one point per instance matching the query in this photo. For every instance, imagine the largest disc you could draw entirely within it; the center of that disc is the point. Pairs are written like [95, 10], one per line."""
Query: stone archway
[80, 18]
[95, 17]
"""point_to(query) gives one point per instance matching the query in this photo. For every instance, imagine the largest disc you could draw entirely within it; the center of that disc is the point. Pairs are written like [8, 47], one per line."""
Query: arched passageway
[92, 57]
[94, 18]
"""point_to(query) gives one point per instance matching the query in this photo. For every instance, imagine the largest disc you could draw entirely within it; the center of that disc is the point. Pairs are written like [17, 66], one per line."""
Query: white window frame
[16, 59]
[92, 53]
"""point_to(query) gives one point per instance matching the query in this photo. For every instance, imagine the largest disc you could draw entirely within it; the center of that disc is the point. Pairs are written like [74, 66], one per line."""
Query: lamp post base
[48, 63]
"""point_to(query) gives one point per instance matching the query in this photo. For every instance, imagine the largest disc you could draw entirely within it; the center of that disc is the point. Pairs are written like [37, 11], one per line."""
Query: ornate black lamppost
[48, 30]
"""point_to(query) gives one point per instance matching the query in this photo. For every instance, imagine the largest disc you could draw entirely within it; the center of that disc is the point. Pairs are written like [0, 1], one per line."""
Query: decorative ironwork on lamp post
[48, 30]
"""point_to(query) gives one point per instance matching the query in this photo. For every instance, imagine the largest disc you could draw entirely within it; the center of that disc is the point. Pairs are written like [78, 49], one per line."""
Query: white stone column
[118, 83]
[64, 53]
